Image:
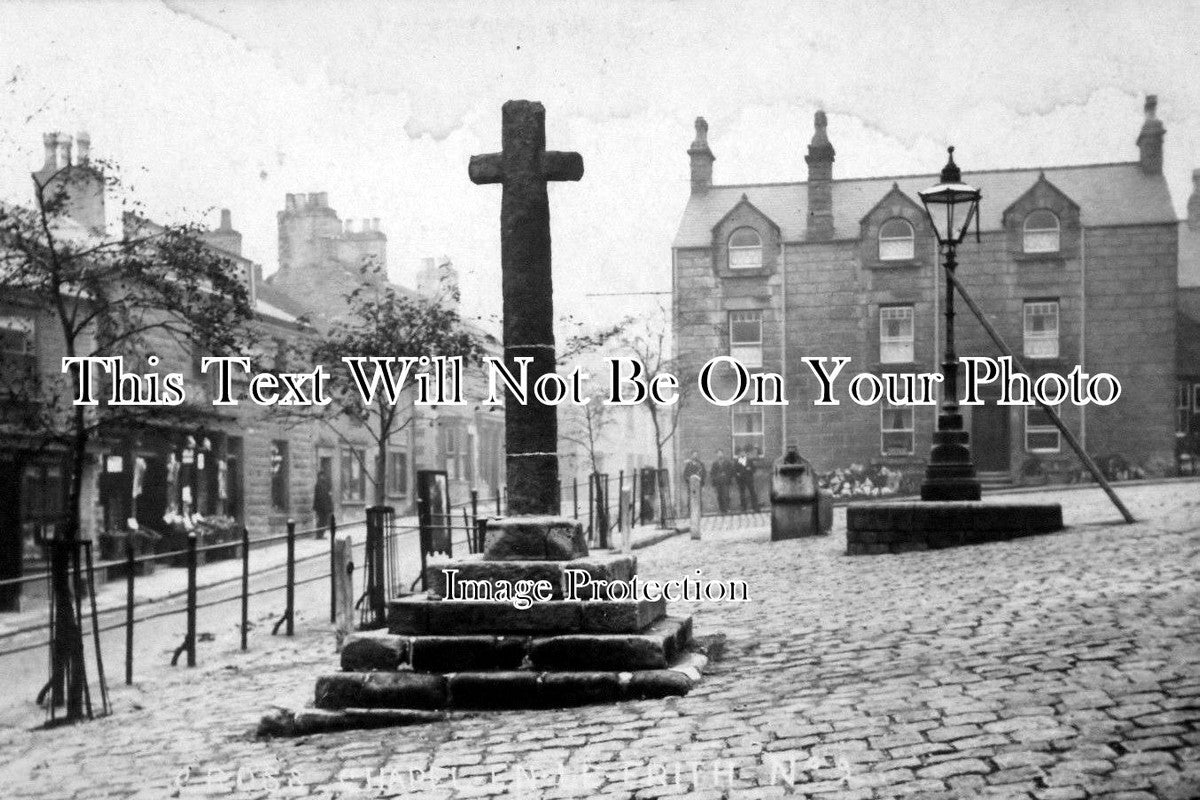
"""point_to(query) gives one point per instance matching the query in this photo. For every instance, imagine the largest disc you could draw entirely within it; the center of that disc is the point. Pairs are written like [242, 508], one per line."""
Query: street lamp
[950, 475]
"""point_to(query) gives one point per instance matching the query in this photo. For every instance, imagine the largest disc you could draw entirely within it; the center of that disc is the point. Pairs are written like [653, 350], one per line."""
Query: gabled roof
[745, 201]
[886, 200]
[1044, 181]
[1108, 194]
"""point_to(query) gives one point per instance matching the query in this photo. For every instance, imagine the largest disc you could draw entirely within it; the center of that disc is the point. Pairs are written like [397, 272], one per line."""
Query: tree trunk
[381, 472]
[68, 675]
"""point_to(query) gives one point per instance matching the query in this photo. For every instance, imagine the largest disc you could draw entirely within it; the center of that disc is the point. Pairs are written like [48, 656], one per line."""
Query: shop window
[397, 473]
[354, 475]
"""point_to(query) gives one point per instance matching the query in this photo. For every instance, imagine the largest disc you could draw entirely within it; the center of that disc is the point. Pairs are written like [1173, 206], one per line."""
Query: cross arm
[487, 168]
[562, 166]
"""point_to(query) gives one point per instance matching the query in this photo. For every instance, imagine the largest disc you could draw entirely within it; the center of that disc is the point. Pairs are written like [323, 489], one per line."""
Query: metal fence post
[245, 626]
[291, 576]
[332, 569]
[129, 568]
[190, 642]
[620, 497]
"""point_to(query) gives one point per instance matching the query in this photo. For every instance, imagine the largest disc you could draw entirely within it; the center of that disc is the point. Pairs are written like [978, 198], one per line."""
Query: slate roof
[1108, 194]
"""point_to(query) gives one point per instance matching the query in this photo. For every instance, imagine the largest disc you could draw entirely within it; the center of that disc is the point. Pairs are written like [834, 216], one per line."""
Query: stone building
[175, 464]
[320, 259]
[240, 465]
[1187, 390]
[1076, 265]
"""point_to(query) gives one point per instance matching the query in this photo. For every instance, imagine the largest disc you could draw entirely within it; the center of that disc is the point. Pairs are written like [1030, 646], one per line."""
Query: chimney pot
[226, 219]
[375, 223]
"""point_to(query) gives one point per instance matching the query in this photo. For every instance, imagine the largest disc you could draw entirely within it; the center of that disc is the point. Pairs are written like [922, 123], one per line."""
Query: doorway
[991, 443]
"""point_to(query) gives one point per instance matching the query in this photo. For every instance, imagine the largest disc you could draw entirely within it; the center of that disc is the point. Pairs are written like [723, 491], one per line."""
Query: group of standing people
[726, 472]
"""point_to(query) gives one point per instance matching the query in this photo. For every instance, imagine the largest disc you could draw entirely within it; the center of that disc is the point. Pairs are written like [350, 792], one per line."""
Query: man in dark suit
[721, 475]
[743, 471]
[693, 466]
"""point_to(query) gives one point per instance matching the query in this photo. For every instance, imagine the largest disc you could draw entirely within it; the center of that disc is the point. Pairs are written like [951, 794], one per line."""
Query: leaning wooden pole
[1058, 423]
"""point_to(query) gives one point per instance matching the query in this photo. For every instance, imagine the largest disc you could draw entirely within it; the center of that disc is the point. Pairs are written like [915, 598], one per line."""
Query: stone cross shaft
[523, 167]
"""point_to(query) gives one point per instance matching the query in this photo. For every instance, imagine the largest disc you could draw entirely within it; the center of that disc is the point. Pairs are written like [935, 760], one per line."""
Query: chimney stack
[226, 220]
[702, 159]
[63, 156]
[50, 141]
[1150, 140]
[820, 181]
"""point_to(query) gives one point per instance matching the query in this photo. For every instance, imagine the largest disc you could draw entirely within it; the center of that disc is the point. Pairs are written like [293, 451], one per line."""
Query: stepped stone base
[876, 528]
[503, 689]
[651, 646]
[443, 653]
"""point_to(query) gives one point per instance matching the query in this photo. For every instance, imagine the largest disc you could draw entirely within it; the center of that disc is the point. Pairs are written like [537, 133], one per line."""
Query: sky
[221, 104]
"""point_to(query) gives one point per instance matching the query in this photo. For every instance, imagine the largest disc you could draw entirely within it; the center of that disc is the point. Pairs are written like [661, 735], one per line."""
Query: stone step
[524, 538]
[653, 648]
[506, 689]
[598, 567]
[419, 615]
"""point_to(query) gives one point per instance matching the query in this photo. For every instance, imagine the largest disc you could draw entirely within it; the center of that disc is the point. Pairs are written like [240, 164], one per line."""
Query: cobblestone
[1054, 667]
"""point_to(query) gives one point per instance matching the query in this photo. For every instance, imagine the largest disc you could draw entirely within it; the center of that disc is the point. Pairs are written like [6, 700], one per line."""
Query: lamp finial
[951, 173]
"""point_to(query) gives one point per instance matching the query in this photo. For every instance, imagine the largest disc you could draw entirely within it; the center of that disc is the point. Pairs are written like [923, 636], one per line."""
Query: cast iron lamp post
[950, 475]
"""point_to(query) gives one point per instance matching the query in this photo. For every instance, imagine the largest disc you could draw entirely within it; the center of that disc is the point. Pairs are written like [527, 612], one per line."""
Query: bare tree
[107, 297]
[384, 320]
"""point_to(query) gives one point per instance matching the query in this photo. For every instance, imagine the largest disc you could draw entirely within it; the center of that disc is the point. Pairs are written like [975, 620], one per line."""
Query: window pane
[748, 355]
[745, 237]
[1041, 221]
[1041, 329]
[896, 334]
[1041, 232]
[745, 249]
[896, 229]
[745, 329]
[1040, 433]
[896, 241]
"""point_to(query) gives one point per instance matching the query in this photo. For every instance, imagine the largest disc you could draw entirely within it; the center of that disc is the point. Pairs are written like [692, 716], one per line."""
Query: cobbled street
[1062, 666]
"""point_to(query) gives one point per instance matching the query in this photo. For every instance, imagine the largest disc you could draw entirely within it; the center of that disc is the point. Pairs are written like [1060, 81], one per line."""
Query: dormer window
[745, 249]
[1041, 232]
[896, 241]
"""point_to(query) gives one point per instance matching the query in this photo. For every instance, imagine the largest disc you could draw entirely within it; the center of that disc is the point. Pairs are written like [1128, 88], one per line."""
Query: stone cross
[523, 166]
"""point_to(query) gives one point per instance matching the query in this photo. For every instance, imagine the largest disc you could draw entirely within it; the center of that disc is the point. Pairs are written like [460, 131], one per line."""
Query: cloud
[381, 105]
